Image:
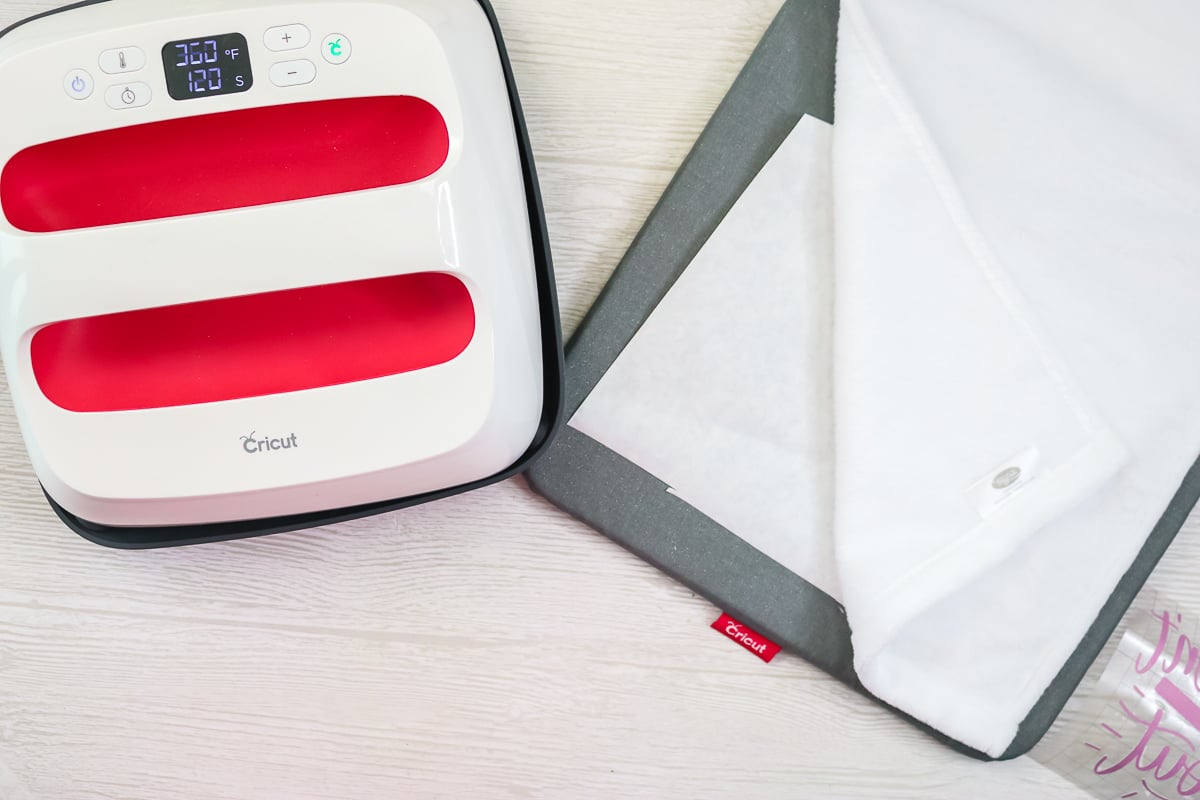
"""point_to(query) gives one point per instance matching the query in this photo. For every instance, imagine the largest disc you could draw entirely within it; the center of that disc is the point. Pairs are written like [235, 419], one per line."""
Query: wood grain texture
[483, 646]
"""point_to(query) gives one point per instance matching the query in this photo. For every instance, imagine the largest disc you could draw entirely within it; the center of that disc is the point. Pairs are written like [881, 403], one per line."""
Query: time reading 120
[207, 65]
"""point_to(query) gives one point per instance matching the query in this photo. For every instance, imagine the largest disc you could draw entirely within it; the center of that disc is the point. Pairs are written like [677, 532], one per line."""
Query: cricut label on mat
[1132, 729]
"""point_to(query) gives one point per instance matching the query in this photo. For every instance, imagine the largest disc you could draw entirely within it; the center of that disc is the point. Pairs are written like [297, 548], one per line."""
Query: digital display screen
[207, 65]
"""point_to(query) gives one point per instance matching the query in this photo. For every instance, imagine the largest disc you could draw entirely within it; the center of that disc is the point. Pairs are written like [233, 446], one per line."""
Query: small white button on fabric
[1005, 481]
[336, 48]
[122, 59]
[286, 37]
[1007, 478]
[293, 73]
[79, 84]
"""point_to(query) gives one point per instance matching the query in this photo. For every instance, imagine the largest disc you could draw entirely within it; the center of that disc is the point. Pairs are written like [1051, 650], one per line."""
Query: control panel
[210, 65]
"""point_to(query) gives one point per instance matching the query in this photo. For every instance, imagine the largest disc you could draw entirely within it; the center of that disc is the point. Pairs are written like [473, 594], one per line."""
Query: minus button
[293, 73]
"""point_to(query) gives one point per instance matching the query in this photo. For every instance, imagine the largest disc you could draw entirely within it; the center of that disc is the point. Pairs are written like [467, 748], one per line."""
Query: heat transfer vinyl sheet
[724, 393]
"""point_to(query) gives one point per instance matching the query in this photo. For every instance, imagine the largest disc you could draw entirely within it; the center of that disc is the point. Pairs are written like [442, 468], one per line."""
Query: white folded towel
[1016, 332]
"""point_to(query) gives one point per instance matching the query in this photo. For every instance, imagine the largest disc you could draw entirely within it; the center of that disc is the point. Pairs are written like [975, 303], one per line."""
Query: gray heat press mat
[791, 73]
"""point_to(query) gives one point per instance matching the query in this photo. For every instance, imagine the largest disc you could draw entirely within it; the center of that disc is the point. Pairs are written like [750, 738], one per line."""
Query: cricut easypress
[266, 265]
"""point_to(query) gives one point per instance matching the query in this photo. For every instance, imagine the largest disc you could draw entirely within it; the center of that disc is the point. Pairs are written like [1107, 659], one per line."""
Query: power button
[79, 84]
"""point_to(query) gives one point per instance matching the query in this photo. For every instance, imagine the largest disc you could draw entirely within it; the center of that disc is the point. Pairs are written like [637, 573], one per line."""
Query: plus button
[284, 37]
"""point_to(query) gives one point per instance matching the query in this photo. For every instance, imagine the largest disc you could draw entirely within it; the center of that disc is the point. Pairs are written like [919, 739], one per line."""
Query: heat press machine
[269, 265]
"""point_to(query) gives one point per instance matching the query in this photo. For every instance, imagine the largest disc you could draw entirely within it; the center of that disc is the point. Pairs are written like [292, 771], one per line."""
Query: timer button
[286, 37]
[336, 48]
[79, 84]
[122, 59]
[293, 73]
[132, 95]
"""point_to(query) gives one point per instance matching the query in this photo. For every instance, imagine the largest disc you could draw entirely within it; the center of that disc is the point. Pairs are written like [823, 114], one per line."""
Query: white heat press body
[266, 265]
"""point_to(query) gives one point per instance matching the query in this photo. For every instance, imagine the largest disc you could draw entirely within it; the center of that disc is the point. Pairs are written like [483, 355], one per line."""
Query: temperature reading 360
[194, 53]
[206, 66]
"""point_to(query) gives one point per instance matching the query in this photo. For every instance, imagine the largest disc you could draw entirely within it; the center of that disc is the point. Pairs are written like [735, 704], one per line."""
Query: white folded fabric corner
[1016, 328]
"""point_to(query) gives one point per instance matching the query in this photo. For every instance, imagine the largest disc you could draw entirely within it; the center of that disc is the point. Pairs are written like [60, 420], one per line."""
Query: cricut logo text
[753, 641]
[735, 632]
[252, 444]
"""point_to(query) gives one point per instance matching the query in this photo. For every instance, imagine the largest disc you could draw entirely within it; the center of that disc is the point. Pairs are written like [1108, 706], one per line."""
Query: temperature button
[286, 37]
[293, 73]
[122, 59]
[133, 95]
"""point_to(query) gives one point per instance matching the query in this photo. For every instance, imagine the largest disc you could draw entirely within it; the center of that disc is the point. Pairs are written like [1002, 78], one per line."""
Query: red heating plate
[251, 346]
[213, 162]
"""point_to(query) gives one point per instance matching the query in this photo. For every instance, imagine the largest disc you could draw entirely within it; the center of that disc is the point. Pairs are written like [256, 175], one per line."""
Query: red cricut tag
[753, 641]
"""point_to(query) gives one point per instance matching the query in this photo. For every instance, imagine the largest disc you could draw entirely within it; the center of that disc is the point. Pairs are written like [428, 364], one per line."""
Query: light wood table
[484, 646]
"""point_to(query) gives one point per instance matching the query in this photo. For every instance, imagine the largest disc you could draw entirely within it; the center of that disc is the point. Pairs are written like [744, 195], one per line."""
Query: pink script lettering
[1183, 769]
[1185, 654]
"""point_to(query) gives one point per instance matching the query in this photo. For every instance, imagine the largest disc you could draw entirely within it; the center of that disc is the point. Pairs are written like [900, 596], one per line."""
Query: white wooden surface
[485, 646]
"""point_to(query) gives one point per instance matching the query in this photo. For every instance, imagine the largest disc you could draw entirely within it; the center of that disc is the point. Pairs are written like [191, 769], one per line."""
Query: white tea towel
[1016, 381]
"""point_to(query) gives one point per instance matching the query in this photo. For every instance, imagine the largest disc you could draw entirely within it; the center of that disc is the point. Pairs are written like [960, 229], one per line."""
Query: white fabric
[1016, 313]
[725, 394]
[1017, 206]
